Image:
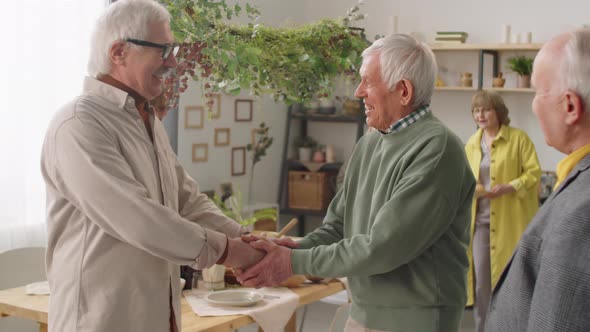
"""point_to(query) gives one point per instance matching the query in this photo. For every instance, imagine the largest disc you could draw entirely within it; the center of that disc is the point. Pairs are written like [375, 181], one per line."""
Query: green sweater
[399, 230]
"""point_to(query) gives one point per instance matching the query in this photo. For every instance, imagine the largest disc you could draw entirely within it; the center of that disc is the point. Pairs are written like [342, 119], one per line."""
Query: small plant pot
[305, 154]
[523, 81]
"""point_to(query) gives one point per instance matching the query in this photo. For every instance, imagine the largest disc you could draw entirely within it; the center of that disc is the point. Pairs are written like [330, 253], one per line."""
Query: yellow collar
[566, 165]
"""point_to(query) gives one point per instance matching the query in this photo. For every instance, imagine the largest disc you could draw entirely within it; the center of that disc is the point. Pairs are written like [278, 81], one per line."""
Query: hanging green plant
[292, 64]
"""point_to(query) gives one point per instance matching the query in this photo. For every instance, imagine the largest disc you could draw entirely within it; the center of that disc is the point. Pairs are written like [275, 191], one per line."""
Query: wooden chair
[21, 267]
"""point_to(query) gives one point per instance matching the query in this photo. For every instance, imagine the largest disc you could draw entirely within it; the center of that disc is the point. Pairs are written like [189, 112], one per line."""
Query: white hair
[403, 57]
[122, 19]
[575, 65]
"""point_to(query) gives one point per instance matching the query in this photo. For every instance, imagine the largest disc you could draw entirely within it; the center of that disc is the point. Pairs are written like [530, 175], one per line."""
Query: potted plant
[523, 66]
[233, 209]
[261, 144]
[305, 146]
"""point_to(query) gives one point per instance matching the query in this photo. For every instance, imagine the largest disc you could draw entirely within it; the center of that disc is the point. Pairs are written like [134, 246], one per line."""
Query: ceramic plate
[236, 298]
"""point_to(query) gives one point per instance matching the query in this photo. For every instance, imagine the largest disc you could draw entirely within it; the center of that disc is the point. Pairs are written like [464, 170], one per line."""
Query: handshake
[259, 261]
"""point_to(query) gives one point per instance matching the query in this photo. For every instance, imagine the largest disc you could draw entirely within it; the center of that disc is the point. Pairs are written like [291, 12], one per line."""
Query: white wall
[217, 169]
[483, 21]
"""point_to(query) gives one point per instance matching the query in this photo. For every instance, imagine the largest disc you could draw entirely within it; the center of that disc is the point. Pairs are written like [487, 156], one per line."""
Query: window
[44, 54]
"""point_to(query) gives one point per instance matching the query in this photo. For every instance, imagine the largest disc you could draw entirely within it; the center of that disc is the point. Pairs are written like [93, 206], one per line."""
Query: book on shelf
[449, 41]
[452, 33]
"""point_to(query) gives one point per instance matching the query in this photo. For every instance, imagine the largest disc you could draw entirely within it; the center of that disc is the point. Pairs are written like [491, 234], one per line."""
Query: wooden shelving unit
[295, 165]
[482, 50]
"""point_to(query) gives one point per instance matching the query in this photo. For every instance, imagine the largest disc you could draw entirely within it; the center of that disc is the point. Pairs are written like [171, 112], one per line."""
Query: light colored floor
[319, 315]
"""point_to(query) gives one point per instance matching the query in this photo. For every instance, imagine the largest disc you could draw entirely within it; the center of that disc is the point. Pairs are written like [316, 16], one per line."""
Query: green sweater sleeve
[331, 230]
[420, 208]
[416, 228]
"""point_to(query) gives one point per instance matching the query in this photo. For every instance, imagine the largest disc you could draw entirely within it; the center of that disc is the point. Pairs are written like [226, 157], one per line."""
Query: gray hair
[575, 66]
[122, 19]
[403, 57]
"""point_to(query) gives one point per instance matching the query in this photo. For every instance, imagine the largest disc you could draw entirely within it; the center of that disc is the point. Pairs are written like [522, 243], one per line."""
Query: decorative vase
[305, 154]
[467, 80]
[498, 82]
[319, 156]
[523, 81]
[330, 153]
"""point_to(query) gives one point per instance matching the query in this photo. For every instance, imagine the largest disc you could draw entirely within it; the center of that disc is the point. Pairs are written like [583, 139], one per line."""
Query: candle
[506, 33]
[394, 22]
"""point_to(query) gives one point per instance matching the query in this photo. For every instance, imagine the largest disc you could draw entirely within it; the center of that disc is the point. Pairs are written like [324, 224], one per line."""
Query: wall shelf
[492, 47]
[454, 88]
[482, 50]
[515, 90]
[464, 89]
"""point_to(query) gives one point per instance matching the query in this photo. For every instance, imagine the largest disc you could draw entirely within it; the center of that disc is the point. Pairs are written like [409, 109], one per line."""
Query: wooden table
[14, 302]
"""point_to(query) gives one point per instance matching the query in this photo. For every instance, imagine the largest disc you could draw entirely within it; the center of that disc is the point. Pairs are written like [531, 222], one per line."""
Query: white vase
[305, 154]
[330, 153]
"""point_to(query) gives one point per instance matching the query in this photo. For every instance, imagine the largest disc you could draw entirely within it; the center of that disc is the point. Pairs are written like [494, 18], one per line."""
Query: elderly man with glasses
[122, 213]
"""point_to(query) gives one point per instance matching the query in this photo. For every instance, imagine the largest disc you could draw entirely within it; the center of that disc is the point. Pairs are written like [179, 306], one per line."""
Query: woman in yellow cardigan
[504, 162]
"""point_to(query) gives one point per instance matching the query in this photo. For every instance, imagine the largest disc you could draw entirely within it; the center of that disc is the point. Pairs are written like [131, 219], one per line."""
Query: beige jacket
[122, 215]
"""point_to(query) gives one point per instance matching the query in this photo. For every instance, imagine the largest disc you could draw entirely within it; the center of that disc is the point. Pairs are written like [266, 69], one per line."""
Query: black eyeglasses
[166, 49]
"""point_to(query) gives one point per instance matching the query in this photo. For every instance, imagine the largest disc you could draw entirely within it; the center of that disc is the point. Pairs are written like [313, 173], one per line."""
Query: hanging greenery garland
[292, 64]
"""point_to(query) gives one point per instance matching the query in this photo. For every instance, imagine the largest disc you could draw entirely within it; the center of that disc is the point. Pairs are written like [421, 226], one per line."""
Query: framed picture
[194, 117]
[216, 109]
[200, 152]
[238, 161]
[243, 112]
[222, 136]
[226, 190]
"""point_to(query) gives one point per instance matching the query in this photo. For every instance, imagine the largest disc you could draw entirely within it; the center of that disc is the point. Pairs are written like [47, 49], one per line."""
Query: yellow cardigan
[513, 160]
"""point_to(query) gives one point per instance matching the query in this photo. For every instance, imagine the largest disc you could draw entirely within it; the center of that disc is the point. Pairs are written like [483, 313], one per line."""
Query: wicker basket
[310, 190]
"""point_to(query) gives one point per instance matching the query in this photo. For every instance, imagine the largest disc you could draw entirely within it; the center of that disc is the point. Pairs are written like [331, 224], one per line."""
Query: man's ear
[118, 52]
[573, 106]
[407, 92]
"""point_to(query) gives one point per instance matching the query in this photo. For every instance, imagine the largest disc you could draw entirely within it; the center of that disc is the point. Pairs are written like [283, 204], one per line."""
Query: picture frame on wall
[194, 117]
[238, 161]
[216, 108]
[243, 110]
[222, 136]
[200, 152]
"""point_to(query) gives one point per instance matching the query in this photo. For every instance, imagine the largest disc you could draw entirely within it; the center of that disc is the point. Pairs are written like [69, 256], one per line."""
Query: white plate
[236, 298]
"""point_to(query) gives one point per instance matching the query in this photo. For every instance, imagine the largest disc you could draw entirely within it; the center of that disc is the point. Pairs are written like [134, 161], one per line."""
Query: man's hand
[284, 241]
[499, 190]
[241, 255]
[273, 269]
